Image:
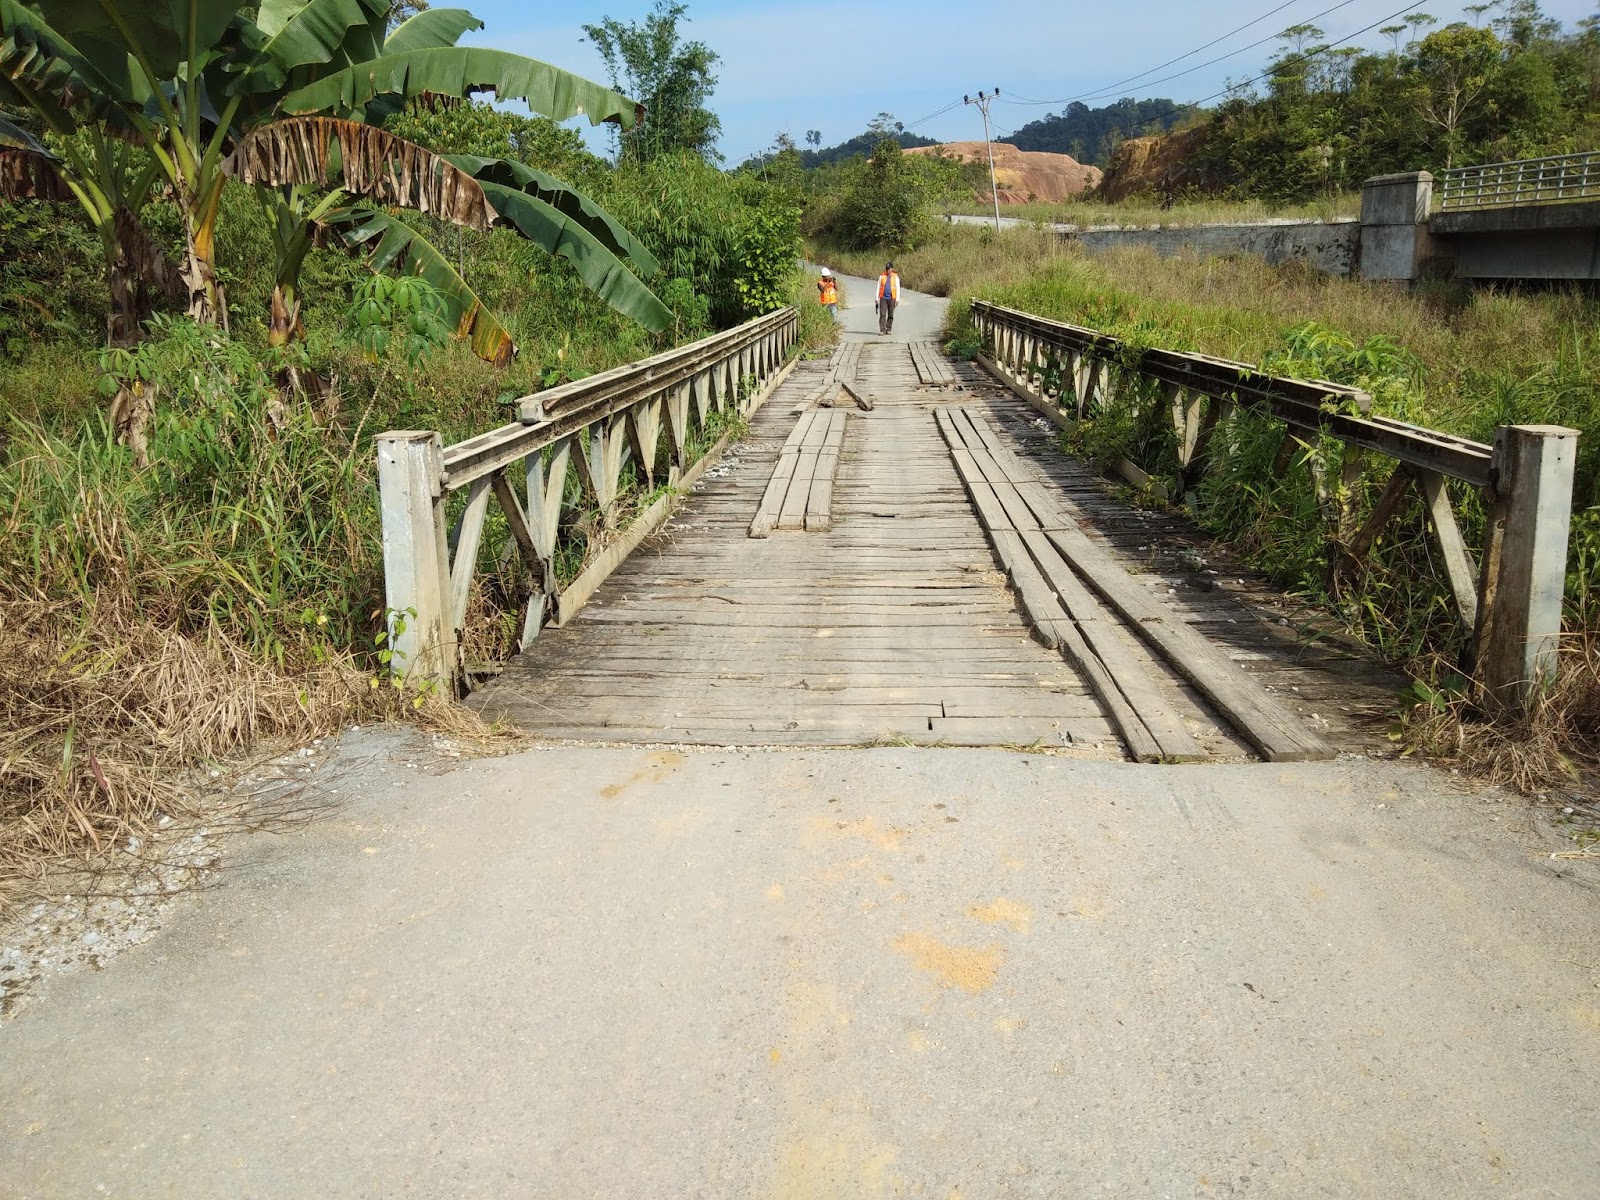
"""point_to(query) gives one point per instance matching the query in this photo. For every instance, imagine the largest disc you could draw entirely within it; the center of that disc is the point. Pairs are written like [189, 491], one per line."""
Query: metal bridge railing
[1510, 604]
[563, 464]
[1558, 179]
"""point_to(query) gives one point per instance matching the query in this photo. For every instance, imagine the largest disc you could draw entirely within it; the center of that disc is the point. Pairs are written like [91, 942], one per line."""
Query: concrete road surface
[918, 317]
[629, 973]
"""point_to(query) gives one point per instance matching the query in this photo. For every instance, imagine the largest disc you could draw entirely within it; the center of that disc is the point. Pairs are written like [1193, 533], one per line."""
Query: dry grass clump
[104, 717]
[1554, 746]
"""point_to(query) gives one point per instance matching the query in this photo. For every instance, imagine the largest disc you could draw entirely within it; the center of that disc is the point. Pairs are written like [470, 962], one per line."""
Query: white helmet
[826, 274]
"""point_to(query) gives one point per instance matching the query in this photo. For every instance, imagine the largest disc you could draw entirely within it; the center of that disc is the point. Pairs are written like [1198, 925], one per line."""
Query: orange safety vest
[828, 290]
[892, 279]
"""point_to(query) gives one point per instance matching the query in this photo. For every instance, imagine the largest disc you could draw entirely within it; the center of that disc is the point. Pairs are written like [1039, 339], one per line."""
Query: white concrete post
[1525, 561]
[416, 557]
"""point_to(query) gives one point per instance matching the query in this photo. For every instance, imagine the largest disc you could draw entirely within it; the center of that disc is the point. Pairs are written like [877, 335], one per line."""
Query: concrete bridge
[1537, 220]
[828, 876]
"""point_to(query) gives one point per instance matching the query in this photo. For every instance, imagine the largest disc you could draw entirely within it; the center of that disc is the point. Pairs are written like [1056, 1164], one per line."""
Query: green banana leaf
[39, 68]
[15, 137]
[599, 268]
[564, 198]
[304, 33]
[430, 29]
[389, 242]
[124, 39]
[460, 71]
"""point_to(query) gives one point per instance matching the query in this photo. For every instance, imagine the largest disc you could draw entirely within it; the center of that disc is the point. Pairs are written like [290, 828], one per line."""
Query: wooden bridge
[898, 552]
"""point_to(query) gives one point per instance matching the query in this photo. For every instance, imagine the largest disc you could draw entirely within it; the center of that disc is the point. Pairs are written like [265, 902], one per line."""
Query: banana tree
[369, 75]
[109, 178]
[207, 87]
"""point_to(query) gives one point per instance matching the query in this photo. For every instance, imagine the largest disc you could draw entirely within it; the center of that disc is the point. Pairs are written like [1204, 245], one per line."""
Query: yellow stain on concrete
[969, 968]
[888, 839]
[656, 770]
[824, 1168]
[1009, 912]
[1009, 1025]
[1585, 1015]
[775, 893]
[917, 1042]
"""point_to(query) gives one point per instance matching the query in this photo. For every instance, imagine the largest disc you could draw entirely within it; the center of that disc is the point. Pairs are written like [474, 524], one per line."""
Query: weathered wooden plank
[1275, 732]
[468, 537]
[1024, 732]
[1104, 639]
[1463, 572]
[783, 471]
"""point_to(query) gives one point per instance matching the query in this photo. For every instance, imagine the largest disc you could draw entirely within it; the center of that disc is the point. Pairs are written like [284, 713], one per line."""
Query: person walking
[888, 297]
[828, 293]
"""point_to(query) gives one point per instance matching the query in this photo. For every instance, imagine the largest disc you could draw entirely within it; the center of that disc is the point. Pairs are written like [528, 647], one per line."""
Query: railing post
[1525, 561]
[416, 556]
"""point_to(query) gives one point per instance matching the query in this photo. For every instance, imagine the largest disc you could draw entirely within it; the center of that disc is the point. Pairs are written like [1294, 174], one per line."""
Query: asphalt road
[862, 973]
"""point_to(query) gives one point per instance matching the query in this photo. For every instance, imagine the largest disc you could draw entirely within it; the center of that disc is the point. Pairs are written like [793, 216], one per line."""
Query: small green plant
[407, 312]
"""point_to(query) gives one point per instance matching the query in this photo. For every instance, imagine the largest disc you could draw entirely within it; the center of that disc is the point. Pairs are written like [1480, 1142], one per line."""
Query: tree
[109, 179]
[288, 97]
[673, 79]
[1453, 68]
[814, 138]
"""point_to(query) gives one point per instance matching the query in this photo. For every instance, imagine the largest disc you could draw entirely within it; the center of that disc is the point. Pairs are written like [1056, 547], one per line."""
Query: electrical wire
[1298, 59]
[1170, 62]
[932, 115]
[1104, 93]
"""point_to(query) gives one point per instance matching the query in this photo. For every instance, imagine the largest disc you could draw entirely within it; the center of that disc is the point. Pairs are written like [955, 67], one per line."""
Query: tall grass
[1088, 212]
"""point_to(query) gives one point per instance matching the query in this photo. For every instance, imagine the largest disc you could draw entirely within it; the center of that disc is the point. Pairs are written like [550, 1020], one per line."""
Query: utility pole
[983, 103]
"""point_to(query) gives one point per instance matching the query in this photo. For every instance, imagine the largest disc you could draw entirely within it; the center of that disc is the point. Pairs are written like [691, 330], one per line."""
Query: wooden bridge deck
[896, 624]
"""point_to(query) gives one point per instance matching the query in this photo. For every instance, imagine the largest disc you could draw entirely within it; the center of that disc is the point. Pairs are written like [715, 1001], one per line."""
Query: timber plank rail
[594, 427]
[1509, 603]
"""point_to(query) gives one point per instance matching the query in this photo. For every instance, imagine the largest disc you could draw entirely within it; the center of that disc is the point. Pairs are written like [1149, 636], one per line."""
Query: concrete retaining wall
[1330, 246]
[1333, 247]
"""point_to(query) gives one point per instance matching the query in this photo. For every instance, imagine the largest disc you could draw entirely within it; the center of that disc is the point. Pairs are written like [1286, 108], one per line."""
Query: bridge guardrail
[1557, 179]
[591, 428]
[1510, 605]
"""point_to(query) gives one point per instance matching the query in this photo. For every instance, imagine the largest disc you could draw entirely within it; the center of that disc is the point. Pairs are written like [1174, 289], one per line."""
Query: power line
[1300, 58]
[932, 115]
[1170, 62]
[1102, 93]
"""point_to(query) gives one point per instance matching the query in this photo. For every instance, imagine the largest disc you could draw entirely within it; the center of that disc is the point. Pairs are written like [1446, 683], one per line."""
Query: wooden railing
[590, 430]
[1558, 179]
[1510, 604]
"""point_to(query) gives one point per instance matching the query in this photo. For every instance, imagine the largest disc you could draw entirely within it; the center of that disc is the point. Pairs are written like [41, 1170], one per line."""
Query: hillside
[1090, 134]
[1023, 175]
[1155, 167]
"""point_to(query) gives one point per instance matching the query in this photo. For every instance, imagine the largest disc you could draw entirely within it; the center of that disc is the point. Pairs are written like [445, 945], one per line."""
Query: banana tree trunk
[284, 325]
[207, 303]
[122, 321]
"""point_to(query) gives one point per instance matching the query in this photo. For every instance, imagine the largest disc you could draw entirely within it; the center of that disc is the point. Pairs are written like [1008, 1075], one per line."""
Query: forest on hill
[1091, 134]
[1325, 117]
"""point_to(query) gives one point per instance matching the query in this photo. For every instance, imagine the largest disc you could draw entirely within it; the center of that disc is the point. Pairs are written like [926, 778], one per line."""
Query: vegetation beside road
[190, 554]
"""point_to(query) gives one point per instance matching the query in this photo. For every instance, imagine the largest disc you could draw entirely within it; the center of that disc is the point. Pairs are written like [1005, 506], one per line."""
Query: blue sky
[832, 65]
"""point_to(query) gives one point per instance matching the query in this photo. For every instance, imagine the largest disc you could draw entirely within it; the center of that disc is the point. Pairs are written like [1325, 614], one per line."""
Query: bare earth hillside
[1155, 167]
[1025, 175]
